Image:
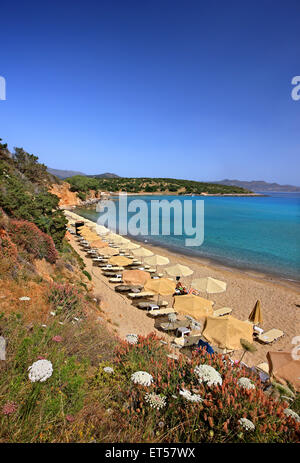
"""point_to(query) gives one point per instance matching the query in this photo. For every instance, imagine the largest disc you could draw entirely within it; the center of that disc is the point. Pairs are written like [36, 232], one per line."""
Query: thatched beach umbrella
[227, 332]
[135, 277]
[130, 246]
[195, 306]
[179, 270]
[157, 260]
[142, 252]
[162, 286]
[98, 244]
[120, 261]
[209, 285]
[256, 314]
[107, 251]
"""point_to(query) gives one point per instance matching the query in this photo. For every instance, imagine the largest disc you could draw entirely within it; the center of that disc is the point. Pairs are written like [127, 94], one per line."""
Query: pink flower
[9, 408]
[70, 418]
[57, 339]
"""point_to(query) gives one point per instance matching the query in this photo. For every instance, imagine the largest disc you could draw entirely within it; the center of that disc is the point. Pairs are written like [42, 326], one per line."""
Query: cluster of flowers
[245, 383]
[37, 243]
[157, 401]
[40, 371]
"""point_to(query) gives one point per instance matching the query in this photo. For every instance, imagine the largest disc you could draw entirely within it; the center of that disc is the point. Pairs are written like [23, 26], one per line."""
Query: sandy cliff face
[70, 198]
[66, 197]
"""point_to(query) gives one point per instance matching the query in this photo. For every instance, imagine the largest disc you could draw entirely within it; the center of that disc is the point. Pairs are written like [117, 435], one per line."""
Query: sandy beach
[280, 301]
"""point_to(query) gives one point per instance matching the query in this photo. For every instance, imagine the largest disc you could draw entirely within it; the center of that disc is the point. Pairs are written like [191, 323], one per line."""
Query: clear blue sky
[188, 89]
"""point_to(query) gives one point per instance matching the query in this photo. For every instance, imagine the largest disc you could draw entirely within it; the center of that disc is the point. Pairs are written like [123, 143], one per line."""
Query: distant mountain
[71, 173]
[106, 175]
[260, 185]
[63, 173]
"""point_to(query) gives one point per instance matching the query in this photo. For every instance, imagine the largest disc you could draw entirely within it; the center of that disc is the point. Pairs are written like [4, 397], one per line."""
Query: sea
[259, 233]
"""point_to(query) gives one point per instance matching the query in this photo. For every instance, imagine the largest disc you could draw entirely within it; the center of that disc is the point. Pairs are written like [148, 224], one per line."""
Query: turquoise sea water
[258, 233]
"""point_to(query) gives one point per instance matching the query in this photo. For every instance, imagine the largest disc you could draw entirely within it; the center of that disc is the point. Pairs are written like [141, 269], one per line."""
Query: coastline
[280, 302]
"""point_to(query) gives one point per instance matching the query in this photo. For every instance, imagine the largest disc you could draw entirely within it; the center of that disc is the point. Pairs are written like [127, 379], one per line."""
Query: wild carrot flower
[40, 371]
[189, 396]
[155, 400]
[9, 408]
[142, 377]
[108, 370]
[246, 424]
[132, 338]
[245, 383]
[208, 375]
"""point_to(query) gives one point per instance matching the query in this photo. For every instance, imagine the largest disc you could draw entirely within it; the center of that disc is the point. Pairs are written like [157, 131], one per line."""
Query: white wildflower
[189, 396]
[142, 377]
[155, 400]
[108, 369]
[247, 424]
[290, 413]
[246, 383]
[208, 374]
[40, 371]
[132, 338]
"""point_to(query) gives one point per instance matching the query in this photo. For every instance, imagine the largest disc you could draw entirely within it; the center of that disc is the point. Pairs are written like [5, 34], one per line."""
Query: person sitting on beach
[180, 288]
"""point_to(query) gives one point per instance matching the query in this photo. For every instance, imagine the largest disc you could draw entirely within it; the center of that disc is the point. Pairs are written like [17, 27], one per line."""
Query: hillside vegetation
[24, 184]
[82, 185]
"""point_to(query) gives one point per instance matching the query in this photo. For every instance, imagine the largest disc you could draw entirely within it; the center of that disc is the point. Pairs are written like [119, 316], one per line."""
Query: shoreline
[214, 263]
[280, 302]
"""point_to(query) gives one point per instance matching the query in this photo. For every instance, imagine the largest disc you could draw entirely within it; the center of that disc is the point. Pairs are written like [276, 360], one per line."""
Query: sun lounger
[270, 336]
[223, 311]
[147, 304]
[159, 312]
[171, 326]
[115, 280]
[187, 341]
[141, 294]
[112, 269]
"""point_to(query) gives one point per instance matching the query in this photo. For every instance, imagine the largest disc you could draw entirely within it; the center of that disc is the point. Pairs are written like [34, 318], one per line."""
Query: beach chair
[115, 280]
[187, 341]
[159, 312]
[270, 336]
[223, 311]
[147, 304]
[140, 295]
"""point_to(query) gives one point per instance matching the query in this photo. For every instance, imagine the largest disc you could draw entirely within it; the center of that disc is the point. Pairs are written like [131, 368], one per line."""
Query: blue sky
[185, 89]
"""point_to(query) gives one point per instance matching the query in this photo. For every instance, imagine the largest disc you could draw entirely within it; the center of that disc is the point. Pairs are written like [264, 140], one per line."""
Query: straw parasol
[227, 332]
[129, 246]
[101, 230]
[209, 285]
[179, 270]
[156, 260]
[162, 287]
[135, 277]
[107, 251]
[195, 306]
[256, 314]
[142, 252]
[284, 368]
[120, 261]
[99, 244]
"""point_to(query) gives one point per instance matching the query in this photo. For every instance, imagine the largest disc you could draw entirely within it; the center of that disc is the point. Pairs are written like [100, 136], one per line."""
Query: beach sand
[280, 301]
